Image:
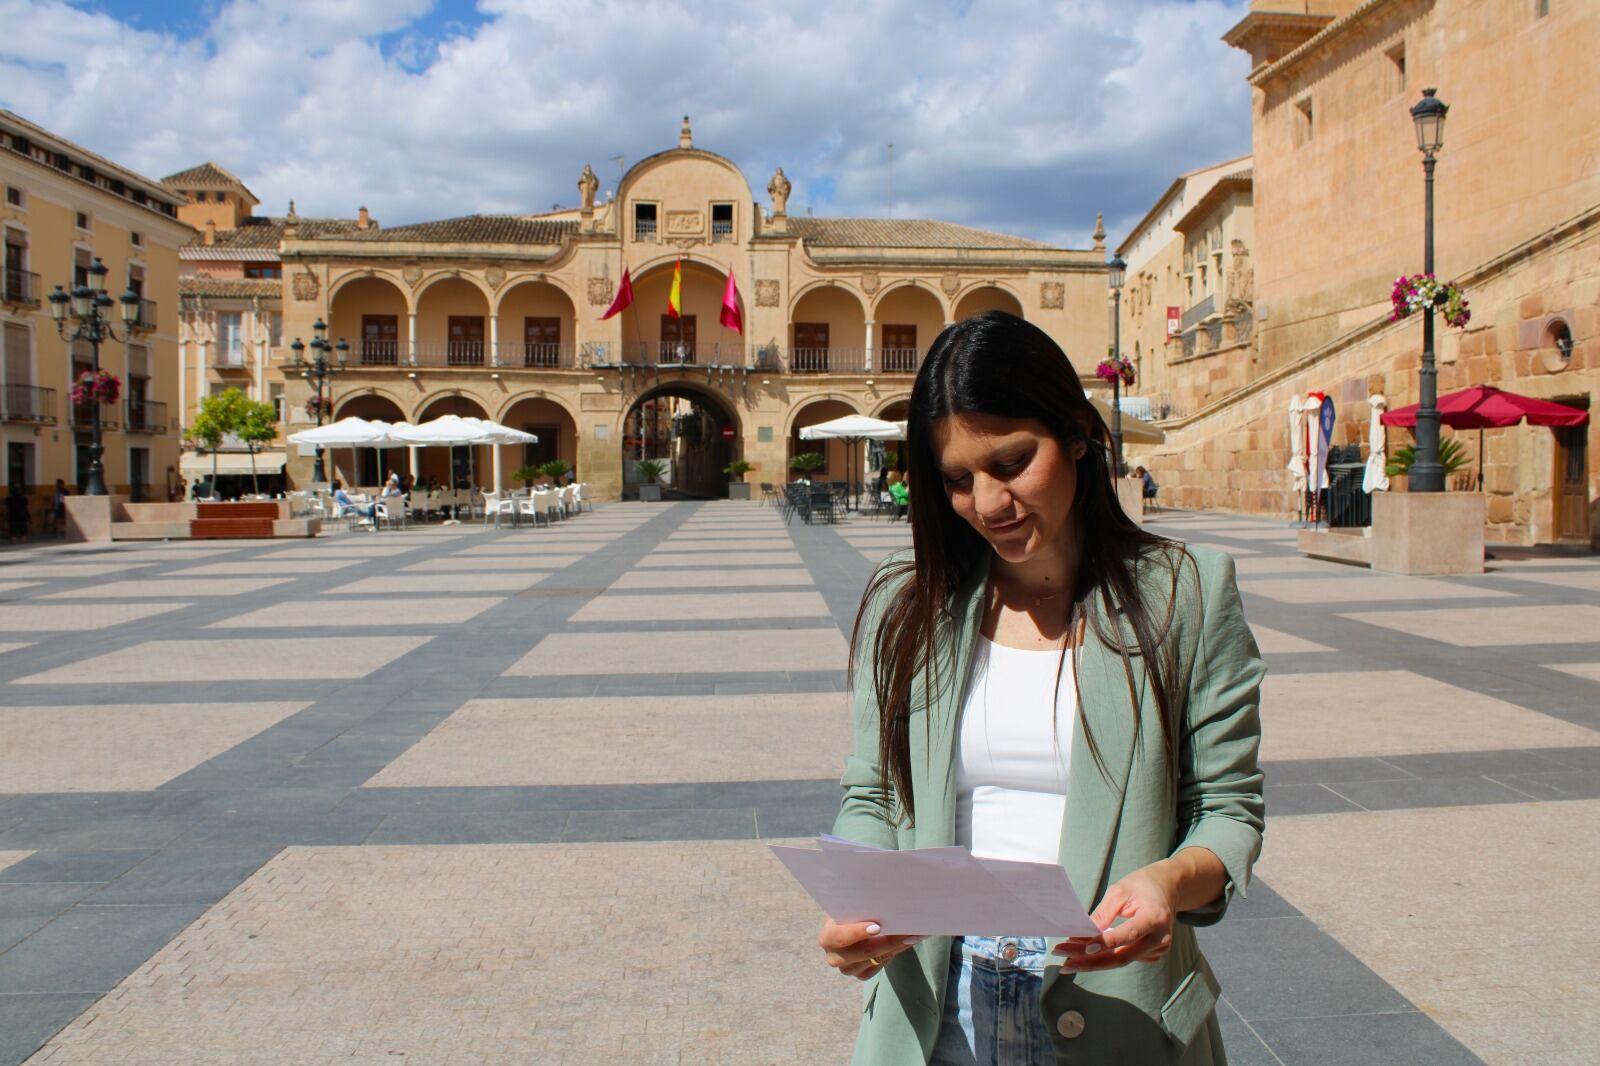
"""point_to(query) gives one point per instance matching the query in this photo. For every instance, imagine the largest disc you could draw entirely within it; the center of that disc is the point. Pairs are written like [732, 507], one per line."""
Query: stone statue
[1241, 290]
[778, 188]
[588, 185]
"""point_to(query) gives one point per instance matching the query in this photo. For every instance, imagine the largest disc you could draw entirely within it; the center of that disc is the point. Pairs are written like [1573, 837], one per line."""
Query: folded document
[937, 891]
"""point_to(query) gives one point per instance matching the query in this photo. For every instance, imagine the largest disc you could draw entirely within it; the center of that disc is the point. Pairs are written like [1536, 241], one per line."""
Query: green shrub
[1452, 456]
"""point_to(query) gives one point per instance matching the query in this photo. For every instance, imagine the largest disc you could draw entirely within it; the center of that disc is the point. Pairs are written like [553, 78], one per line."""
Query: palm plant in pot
[527, 475]
[651, 471]
[808, 462]
[555, 470]
[738, 487]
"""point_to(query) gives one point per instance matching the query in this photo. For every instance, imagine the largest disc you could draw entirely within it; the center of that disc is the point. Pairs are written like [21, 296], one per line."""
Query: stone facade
[499, 316]
[64, 206]
[1338, 205]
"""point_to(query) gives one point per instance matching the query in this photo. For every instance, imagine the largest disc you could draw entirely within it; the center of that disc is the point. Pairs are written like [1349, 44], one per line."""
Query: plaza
[456, 795]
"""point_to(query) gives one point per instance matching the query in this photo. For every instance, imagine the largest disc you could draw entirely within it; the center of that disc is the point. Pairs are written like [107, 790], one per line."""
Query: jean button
[1070, 1024]
[1009, 952]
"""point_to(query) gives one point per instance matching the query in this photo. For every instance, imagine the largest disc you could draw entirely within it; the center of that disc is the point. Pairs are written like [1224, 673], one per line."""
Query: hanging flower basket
[1420, 291]
[96, 386]
[1112, 369]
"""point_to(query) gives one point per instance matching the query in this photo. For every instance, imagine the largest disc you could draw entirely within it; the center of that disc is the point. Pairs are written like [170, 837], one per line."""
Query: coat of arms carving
[305, 286]
[870, 282]
[766, 292]
[1052, 295]
[412, 273]
[951, 284]
[600, 290]
[684, 222]
[495, 276]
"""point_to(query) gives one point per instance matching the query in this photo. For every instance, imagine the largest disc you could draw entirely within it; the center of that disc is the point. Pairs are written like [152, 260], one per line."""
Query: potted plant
[738, 487]
[651, 470]
[807, 462]
[1452, 456]
[527, 475]
[555, 470]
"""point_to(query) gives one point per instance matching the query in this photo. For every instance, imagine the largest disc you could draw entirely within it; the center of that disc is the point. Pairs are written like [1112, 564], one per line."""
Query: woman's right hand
[857, 950]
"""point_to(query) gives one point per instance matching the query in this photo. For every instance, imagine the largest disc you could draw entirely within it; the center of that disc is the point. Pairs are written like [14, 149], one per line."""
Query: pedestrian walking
[17, 515]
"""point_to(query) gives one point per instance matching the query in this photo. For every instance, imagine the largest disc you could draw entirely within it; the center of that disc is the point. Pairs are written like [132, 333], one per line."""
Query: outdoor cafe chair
[532, 507]
[495, 505]
[583, 502]
[569, 501]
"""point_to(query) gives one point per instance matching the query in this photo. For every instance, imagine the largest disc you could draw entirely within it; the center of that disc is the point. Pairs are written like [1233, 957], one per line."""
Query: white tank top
[1012, 755]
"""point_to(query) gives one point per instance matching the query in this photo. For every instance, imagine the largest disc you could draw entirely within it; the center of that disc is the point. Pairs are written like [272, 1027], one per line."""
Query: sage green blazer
[1140, 1013]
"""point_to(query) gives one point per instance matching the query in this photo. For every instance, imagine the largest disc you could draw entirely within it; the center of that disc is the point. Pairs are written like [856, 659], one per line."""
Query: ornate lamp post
[319, 370]
[1426, 474]
[1116, 271]
[89, 307]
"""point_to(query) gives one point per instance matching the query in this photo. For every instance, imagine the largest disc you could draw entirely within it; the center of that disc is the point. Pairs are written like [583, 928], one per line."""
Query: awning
[198, 464]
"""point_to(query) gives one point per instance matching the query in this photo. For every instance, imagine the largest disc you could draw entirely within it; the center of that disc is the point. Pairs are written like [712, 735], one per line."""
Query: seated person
[1150, 486]
[392, 486]
[901, 494]
[342, 498]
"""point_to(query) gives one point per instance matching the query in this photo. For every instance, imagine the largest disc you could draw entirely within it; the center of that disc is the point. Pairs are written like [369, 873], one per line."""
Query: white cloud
[1025, 117]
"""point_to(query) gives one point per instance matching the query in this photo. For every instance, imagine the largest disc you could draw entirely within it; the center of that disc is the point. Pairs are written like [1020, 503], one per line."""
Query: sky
[1022, 117]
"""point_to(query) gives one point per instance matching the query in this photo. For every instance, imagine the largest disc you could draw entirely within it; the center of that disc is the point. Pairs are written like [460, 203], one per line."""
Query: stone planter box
[649, 493]
[738, 490]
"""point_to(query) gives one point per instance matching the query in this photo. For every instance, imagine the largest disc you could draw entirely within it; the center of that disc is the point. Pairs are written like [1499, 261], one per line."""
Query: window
[380, 339]
[80, 267]
[263, 270]
[465, 344]
[136, 239]
[810, 352]
[899, 348]
[230, 339]
[1397, 69]
[199, 197]
[721, 223]
[1302, 121]
[644, 222]
[13, 196]
[274, 328]
[1541, 8]
[1560, 337]
[275, 397]
[541, 342]
[83, 220]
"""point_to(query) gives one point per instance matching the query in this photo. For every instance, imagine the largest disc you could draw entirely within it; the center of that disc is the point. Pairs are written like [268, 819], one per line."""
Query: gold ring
[875, 960]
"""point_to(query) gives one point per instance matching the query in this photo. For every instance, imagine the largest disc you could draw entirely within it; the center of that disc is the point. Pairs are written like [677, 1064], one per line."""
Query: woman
[1044, 680]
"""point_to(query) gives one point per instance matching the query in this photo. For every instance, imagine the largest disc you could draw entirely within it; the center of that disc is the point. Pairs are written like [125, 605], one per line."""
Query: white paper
[937, 891]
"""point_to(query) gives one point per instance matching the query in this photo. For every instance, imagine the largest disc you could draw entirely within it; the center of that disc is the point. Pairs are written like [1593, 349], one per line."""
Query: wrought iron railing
[83, 416]
[228, 358]
[379, 353]
[644, 230]
[898, 360]
[146, 416]
[547, 355]
[30, 403]
[827, 360]
[721, 232]
[20, 287]
[146, 319]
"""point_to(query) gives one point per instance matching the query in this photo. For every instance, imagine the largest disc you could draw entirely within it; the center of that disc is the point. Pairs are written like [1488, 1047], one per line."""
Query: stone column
[494, 351]
[870, 326]
[411, 337]
[411, 452]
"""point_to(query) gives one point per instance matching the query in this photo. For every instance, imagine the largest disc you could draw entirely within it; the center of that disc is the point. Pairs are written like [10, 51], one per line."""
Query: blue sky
[1022, 116]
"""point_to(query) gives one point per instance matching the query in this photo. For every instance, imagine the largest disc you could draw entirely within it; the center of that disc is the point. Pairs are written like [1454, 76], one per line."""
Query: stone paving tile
[673, 653]
[292, 567]
[499, 581]
[391, 611]
[75, 617]
[699, 579]
[702, 560]
[11, 858]
[1277, 642]
[533, 549]
[726, 534]
[1261, 565]
[622, 607]
[460, 954]
[356, 551]
[247, 660]
[16, 586]
[164, 587]
[12, 647]
[1590, 671]
[1369, 588]
[1585, 579]
[121, 747]
[1395, 712]
[497, 564]
[1484, 627]
[1449, 950]
[33, 571]
[636, 740]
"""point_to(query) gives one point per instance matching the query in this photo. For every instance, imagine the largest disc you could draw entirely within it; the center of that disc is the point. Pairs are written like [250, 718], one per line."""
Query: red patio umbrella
[1486, 407]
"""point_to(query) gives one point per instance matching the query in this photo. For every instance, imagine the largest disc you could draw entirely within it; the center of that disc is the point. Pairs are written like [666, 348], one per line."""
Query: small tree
[555, 470]
[526, 474]
[219, 415]
[258, 427]
[738, 469]
[806, 462]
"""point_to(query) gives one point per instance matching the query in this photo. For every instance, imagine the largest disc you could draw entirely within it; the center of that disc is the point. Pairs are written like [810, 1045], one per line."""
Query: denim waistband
[1001, 953]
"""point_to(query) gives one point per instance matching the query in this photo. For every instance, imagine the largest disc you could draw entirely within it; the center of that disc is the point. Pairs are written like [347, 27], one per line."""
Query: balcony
[146, 416]
[1204, 309]
[229, 359]
[721, 232]
[899, 360]
[827, 360]
[378, 353]
[146, 319]
[19, 288]
[83, 416]
[29, 403]
[644, 229]
[525, 354]
[542, 355]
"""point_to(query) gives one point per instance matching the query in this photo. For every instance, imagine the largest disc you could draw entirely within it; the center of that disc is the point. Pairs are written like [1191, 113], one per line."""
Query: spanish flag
[675, 294]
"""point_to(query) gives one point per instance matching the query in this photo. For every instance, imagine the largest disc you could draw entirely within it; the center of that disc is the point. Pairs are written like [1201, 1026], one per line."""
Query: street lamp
[318, 370]
[1426, 473]
[89, 308]
[1116, 271]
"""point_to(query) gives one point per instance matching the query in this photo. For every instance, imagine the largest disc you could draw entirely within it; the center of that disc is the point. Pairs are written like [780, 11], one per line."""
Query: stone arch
[828, 283]
[908, 283]
[548, 418]
[697, 465]
[376, 300]
[351, 276]
[466, 341]
[471, 277]
[906, 318]
[450, 465]
[986, 296]
[809, 412]
[367, 467]
[362, 392]
[642, 323]
[538, 323]
[893, 408]
[828, 330]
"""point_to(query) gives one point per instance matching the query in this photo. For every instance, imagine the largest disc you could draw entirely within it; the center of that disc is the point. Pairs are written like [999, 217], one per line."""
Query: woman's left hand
[1147, 899]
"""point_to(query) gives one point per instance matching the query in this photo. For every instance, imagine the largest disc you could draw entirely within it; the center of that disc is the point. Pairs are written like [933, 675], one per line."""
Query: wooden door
[541, 341]
[810, 347]
[1572, 483]
[380, 340]
[466, 340]
[899, 347]
[677, 339]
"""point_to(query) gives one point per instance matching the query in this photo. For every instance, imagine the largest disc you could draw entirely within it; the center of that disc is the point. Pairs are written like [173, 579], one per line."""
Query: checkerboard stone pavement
[482, 796]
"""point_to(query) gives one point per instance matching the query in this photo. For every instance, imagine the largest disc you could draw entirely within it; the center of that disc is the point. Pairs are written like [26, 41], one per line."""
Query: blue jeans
[991, 1004]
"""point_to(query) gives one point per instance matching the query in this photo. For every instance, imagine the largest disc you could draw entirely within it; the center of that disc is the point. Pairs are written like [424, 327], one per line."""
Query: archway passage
[835, 453]
[367, 467]
[550, 422]
[460, 467]
[693, 429]
[987, 298]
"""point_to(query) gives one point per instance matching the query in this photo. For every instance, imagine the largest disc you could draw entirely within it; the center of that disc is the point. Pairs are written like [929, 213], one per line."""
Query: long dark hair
[998, 364]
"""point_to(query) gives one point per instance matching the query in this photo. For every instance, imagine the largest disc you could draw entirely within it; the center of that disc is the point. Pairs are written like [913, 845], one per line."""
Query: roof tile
[901, 233]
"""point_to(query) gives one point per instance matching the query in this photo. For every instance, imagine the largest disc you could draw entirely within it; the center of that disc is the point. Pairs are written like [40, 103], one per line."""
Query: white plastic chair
[495, 505]
[533, 507]
[584, 503]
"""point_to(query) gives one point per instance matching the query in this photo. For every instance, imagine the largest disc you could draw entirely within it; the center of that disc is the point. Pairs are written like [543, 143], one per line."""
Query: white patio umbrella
[852, 429]
[456, 431]
[503, 434]
[346, 433]
[1297, 446]
[1376, 478]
